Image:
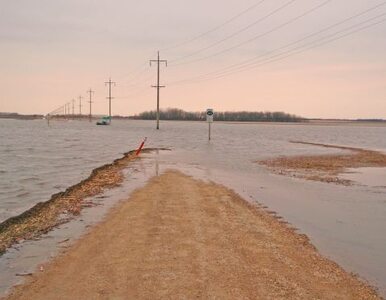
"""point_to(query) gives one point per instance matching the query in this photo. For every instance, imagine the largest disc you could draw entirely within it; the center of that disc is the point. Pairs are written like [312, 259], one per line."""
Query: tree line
[237, 116]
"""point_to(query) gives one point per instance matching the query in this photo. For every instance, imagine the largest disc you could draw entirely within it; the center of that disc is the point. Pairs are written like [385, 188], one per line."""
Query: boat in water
[104, 121]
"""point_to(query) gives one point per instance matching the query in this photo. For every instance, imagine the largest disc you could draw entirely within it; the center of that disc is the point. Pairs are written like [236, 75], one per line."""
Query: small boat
[104, 121]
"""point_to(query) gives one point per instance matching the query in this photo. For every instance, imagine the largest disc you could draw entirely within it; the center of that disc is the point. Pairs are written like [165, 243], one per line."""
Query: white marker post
[209, 118]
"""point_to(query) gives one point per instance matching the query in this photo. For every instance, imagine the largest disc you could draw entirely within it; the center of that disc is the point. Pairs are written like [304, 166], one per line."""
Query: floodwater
[346, 224]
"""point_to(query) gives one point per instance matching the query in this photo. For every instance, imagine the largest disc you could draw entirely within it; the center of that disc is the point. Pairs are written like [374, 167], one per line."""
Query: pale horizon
[53, 52]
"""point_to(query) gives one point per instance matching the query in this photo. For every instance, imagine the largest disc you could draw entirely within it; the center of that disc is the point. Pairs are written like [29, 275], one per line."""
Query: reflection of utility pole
[73, 101]
[90, 93]
[80, 105]
[157, 163]
[158, 61]
[109, 97]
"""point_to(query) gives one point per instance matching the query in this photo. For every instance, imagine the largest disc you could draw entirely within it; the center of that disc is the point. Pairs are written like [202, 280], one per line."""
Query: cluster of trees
[172, 114]
[240, 116]
[371, 120]
[5, 115]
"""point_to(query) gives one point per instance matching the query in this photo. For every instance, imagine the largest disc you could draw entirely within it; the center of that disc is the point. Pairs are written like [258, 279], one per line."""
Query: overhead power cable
[140, 69]
[215, 28]
[259, 35]
[135, 94]
[237, 32]
[309, 46]
[303, 39]
[325, 40]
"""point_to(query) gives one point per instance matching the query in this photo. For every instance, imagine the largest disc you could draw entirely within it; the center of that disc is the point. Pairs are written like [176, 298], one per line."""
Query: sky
[313, 58]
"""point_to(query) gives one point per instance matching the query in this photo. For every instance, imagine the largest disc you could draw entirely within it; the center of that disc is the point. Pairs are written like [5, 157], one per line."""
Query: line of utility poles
[158, 86]
[90, 92]
[80, 105]
[110, 83]
[67, 108]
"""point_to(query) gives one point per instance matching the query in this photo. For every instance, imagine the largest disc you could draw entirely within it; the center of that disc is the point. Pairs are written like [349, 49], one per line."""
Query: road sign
[209, 119]
[209, 115]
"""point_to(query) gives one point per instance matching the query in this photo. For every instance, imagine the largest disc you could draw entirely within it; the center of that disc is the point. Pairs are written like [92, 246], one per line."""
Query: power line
[110, 83]
[297, 50]
[158, 86]
[80, 105]
[258, 36]
[138, 81]
[237, 32]
[325, 40]
[249, 62]
[203, 34]
[137, 71]
[56, 111]
[90, 92]
[136, 93]
[215, 28]
[304, 38]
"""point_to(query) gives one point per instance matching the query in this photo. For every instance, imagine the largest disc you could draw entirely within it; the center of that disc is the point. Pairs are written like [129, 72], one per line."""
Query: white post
[209, 119]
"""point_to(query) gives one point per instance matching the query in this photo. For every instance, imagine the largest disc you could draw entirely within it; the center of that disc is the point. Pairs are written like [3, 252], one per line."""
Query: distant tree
[241, 116]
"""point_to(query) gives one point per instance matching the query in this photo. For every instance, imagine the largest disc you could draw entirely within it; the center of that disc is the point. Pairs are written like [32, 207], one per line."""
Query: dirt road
[179, 238]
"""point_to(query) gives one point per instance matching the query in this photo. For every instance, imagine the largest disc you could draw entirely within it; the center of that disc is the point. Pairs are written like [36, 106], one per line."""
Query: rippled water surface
[37, 161]
[345, 223]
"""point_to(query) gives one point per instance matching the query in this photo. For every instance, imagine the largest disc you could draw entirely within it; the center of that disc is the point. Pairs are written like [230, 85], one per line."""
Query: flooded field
[346, 224]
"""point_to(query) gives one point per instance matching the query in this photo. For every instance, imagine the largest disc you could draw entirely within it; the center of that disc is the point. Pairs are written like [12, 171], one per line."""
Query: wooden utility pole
[90, 92]
[80, 105]
[73, 107]
[67, 109]
[158, 61]
[109, 83]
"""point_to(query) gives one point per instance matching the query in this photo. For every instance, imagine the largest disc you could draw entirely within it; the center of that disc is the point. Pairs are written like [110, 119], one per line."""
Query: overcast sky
[52, 51]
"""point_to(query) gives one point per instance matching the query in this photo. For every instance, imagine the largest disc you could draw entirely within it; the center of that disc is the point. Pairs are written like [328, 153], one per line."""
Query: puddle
[374, 177]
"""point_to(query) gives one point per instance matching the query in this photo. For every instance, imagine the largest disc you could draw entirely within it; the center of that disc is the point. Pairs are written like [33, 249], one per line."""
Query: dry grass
[326, 168]
[62, 206]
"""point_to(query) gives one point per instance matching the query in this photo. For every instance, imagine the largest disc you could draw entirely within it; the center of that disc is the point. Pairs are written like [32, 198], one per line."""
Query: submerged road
[182, 238]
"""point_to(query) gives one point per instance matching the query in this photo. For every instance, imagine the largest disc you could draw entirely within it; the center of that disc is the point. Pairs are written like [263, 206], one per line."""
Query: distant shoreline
[16, 116]
[305, 121]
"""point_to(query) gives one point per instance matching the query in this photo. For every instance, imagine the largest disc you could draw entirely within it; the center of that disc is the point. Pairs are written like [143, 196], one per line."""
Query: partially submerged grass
[326, 168]
[64, 205]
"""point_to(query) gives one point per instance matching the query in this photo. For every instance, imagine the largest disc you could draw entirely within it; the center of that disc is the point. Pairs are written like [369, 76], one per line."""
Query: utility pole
[90, 92]
[67, 109]
[73, 101]
[80, 105]
[109, 83]
[158, 61]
